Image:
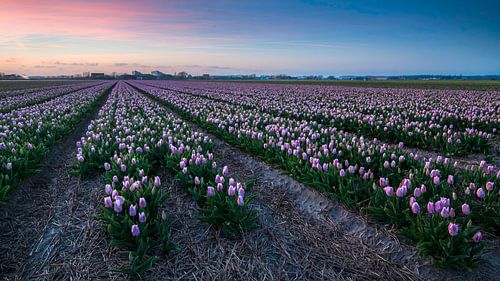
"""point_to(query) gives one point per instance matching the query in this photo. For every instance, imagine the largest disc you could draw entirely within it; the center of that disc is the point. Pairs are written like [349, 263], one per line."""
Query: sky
[244, 37]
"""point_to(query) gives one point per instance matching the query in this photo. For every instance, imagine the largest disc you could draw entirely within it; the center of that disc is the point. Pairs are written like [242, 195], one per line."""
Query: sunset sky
[243, 37]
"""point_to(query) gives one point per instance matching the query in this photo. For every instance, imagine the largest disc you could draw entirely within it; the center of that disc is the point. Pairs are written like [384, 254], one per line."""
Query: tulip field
[420, 163]
[28, 131]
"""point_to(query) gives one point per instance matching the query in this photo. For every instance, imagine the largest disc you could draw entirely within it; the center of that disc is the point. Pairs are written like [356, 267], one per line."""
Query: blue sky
[262, 37]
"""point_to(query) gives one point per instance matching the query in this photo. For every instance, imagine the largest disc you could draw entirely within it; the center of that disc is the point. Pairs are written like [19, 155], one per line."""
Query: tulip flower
[430, 207]
[108, 189]
[142, 217]
[445, 212]
[107, 166]
[132, 211]
[117, 206]
[135, 230]
[417, 192]
[450, 180]
[452, 229]
[240, 201]
[415, 208]
[480, 193]
[342, 173]
[231, 190]
[107, 202]
[142, 202]
[210, 191]
[465, 209]
[401, 191]
[489, 186]
[389, 191]
[436, 180]
[478, 236]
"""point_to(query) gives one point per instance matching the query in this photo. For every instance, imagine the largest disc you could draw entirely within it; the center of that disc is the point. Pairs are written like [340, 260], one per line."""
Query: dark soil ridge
[39, 209]
[376, 239]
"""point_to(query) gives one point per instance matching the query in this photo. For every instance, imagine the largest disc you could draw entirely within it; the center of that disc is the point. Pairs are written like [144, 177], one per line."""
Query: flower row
[456, 123]
[27, 133]
[132, 139]
[40, 95]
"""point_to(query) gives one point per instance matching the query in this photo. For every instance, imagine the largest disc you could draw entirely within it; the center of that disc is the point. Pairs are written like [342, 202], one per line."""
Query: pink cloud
[96, 20]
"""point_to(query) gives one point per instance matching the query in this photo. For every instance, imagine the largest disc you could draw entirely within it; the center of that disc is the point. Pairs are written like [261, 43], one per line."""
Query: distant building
[157, 73]
[97, 75]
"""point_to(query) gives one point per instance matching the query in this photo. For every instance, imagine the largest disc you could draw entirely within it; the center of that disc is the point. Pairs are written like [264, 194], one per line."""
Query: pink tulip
[389, 191]
[480, 193]
[453, 229]
[135, 230]
[477, 237]
[415, 208]
[210, 191]
[465, 209]
[107, 202]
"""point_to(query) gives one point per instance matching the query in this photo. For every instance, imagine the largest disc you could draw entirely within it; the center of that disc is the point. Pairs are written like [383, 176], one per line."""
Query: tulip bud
[445, 212]
[453, 229]
[477, 237]
[107, 202]
[342, 173]
[430, 207]
[480, 193]
[132, 211]
[231, 190]
[117, 206]
[108, 189]
[389, 191]
[450, 180]
[415, 208]
[240, 200]
[436, 180]
[142, 217]
[210, 191]
[465, 209]
[135, 230]
[142, 202]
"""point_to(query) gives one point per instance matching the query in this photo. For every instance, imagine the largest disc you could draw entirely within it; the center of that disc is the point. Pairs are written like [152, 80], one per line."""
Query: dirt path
[42, 211]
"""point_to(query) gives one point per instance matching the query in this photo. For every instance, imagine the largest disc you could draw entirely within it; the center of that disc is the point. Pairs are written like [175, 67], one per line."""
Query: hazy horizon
[260, 37]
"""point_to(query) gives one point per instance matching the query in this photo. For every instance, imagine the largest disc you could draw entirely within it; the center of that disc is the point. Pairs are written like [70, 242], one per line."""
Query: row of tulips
[27, 133]
[386, 182]
[454, 122]
[28, 90]
[132, 139]
[11, 102]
